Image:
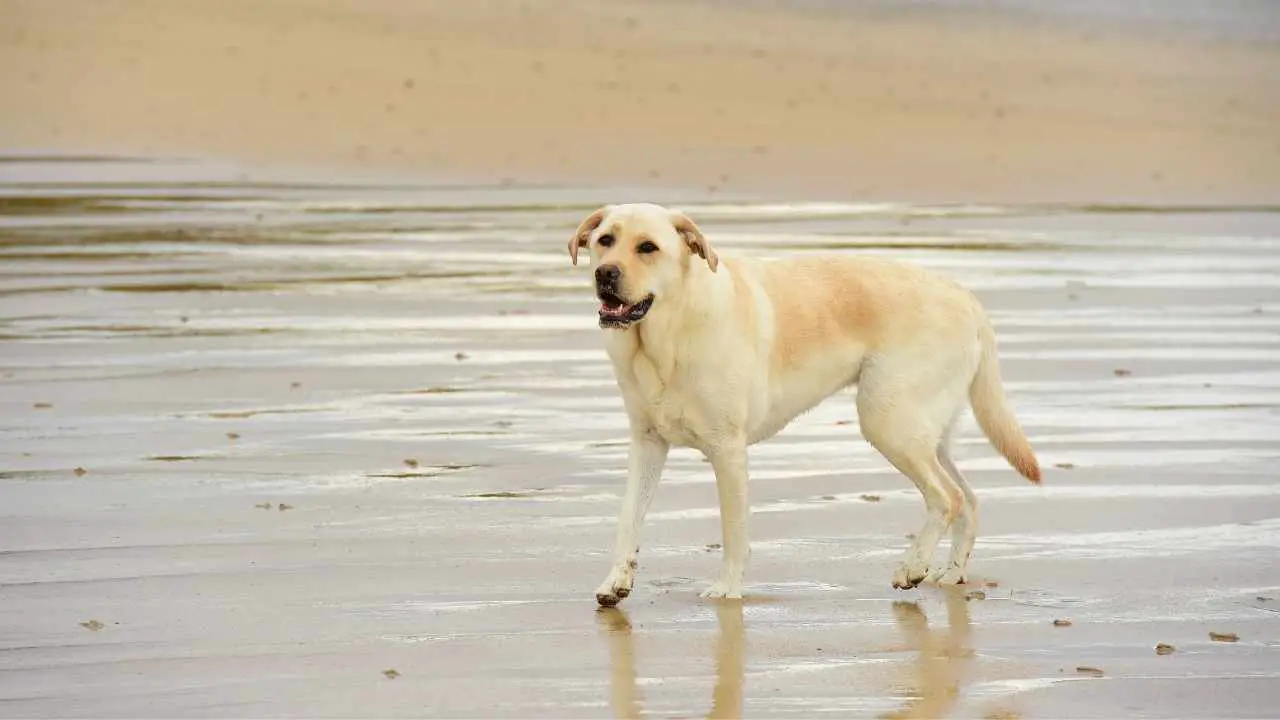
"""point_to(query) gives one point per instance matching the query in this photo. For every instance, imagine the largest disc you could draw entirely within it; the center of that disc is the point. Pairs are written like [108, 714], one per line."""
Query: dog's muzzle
[616, 312]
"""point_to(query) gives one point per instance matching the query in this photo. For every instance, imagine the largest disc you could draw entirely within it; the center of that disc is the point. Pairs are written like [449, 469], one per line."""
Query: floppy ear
[582, 236]
[693, 237]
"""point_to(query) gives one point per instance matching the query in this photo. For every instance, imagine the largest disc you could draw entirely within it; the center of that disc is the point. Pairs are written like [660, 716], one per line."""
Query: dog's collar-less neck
[681, 315]
[696, 290]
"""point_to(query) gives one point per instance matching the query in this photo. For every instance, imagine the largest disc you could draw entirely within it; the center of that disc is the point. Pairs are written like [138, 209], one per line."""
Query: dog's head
[641, 253]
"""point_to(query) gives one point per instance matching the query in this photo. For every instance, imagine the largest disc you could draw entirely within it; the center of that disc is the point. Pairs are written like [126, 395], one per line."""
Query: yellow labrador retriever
[717, 354]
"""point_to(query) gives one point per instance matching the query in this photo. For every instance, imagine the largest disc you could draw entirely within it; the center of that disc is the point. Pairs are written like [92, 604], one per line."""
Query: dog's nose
[607, 275]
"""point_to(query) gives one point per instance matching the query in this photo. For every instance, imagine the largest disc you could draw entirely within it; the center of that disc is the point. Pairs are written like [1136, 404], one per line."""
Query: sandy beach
[325, 432]
[806, 100]
[304, 412]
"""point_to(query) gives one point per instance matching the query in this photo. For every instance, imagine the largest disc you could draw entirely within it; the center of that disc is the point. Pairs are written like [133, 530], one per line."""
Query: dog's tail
[986, 394]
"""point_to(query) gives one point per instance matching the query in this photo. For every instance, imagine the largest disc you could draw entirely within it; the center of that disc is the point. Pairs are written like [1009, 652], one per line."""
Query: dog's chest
[666, 398]
[673, 419]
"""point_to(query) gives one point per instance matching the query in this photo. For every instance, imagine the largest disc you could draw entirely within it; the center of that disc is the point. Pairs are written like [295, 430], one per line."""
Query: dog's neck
[678, 316]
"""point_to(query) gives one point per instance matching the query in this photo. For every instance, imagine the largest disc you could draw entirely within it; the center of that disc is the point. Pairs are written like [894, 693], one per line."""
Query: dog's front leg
[730, 465]
[646, 458]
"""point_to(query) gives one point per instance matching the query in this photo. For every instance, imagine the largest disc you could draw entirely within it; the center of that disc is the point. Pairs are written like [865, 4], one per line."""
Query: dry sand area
[315, 421]
[947, 102]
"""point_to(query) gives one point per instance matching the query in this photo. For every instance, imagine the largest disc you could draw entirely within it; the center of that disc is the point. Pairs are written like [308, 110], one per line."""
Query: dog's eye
[605, 240]
[646, 247]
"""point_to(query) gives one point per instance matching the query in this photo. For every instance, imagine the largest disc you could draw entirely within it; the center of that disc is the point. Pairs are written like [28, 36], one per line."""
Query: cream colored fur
[732, 350]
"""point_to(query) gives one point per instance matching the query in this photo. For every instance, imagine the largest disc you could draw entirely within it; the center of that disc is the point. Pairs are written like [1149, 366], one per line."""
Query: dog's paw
[611, 598]
[951, 575]
[722, 589]
[615, 587]
[909, 576]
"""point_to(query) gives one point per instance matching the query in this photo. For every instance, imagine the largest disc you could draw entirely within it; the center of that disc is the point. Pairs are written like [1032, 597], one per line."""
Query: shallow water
[415, 373]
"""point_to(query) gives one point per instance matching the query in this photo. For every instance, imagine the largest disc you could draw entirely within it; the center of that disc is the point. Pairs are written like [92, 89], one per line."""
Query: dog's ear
[693, 237]
[582, 236]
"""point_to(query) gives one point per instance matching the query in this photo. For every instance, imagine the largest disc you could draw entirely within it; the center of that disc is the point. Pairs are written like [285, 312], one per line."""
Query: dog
[717, 354]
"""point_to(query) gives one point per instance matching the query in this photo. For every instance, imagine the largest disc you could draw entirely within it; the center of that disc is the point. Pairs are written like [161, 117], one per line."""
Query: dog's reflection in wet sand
[943, 654]
[936, 674]
[726, 697]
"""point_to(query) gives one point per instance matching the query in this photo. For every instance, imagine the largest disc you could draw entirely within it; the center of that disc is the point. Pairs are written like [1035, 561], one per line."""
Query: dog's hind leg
[942, 503]
[964, 531]
[906, 404]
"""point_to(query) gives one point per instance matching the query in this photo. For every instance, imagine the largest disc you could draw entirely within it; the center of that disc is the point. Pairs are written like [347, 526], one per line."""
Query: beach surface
[305, 413]
[266, 443]
[941, 101]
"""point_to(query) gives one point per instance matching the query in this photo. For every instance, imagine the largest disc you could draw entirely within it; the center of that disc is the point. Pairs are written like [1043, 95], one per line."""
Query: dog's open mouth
[616, 313]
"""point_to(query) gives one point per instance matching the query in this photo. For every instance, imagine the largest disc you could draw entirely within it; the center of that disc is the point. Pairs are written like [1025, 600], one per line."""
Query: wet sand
[328, 431]
[949, 101]
[334, 405]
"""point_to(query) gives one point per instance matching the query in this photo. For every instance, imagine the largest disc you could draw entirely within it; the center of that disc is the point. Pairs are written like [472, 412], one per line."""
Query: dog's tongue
[619, 310]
